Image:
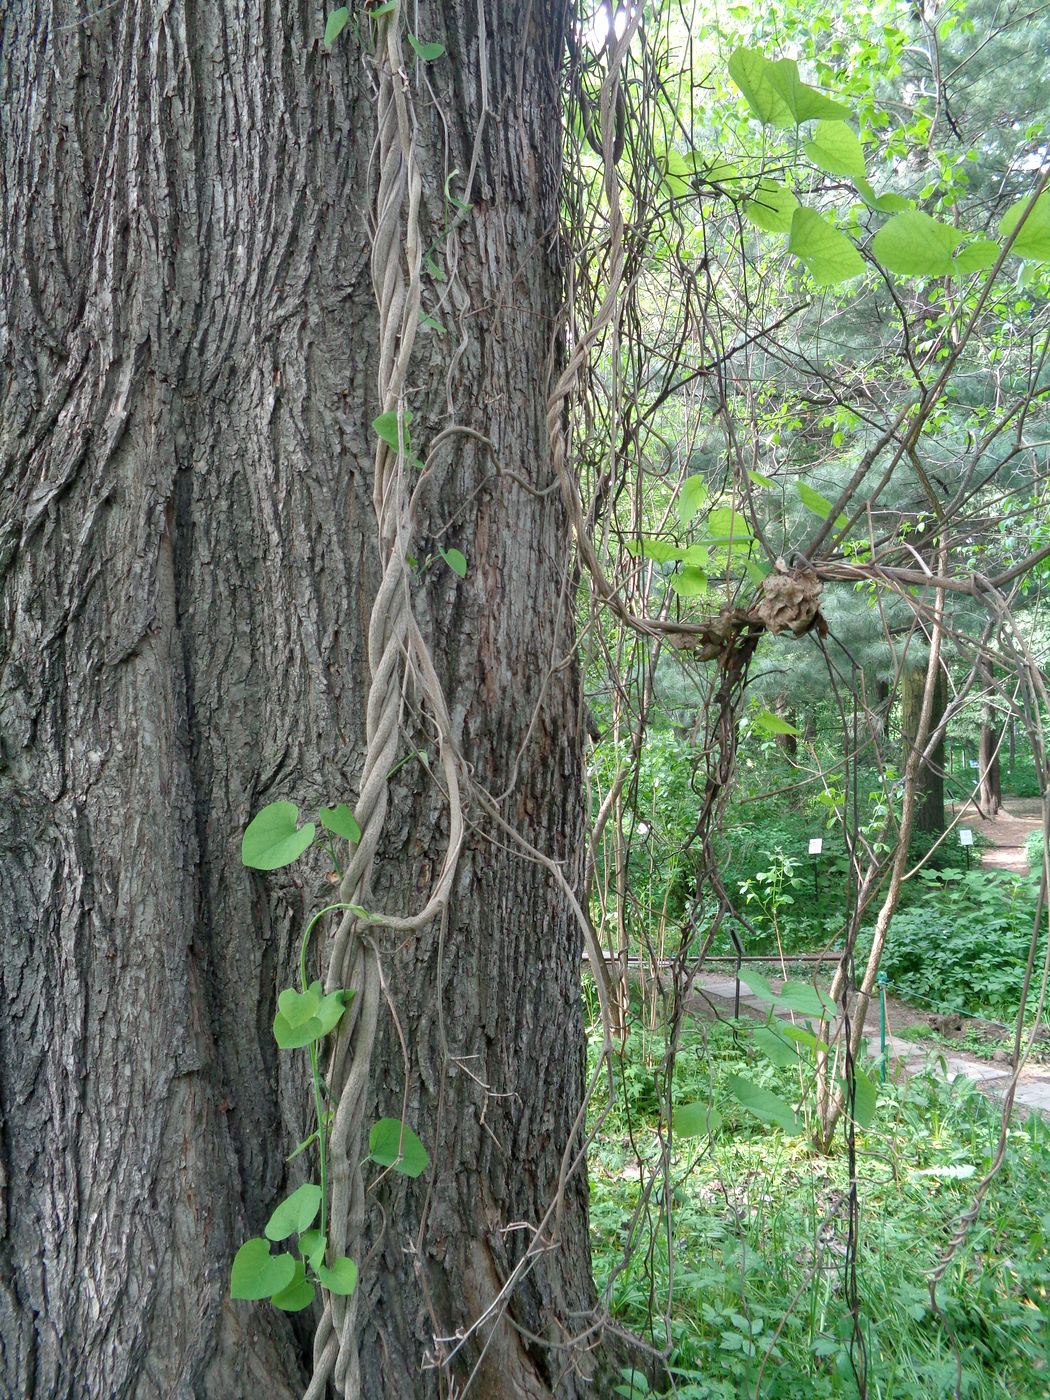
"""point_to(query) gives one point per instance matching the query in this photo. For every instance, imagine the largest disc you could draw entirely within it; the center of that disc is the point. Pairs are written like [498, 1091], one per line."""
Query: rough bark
[187, 561]
[991, 790]
[929, 793]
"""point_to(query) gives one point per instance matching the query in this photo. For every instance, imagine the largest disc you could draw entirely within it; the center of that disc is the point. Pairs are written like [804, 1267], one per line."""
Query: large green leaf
[696, 1120]
[770, 723]
[690, 498]
[295, 1214]
[865, 1100]
[1033, 242]
[690, 583]
[392, 1143]
[975, 257]
[916, 245]
[827, 253]
[764, 1104]
[774, 1046]
[819, 504]
[337, 22]
[771, 207]
[273, 837]
[660, 551]
[257, 1273]
[775, 92]
[303, 1017]
[758, 984]
[804, 998]
[835, 147]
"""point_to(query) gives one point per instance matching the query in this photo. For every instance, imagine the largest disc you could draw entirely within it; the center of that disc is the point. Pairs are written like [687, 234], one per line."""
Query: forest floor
[919, 1041]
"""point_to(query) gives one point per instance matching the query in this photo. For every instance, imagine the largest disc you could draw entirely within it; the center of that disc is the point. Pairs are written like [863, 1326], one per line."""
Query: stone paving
[904, 1056]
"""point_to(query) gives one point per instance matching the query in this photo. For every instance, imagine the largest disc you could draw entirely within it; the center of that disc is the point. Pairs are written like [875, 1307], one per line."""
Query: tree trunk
[187, 560]
[929, 796]
[991, 790]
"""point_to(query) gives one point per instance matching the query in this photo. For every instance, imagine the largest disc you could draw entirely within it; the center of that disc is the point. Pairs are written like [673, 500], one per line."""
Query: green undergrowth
[736, 1267]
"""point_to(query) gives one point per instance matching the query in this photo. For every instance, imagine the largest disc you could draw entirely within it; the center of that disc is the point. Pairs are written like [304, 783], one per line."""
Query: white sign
[816, 845]
[974, 763]
[965, 836]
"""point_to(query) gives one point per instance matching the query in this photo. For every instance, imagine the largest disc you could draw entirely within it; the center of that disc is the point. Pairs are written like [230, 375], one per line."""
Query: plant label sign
[816, 845]
[965, 836]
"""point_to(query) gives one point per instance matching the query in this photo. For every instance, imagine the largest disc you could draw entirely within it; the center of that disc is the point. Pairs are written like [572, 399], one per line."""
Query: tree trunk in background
[991, 790]
[187, 566]
[929, 794]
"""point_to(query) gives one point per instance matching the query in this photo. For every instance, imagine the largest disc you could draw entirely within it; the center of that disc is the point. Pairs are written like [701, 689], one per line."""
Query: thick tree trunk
[187, 561]
[991, 789]
[929, 794]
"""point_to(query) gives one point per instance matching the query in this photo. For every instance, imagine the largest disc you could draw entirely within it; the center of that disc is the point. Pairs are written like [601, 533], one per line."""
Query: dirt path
[1007, 831]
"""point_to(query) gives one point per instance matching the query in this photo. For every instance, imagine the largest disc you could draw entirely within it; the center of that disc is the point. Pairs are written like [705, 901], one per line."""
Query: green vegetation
[739, 1263]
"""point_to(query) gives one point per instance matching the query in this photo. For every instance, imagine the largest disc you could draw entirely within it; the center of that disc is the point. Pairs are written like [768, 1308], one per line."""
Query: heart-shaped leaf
[257, 1273]
[312, 1245]
[764, 1104]
[806, 999]
[290, 1037]
[341, 821]
[1033, 241]
[341, 1278]
[771, 207]
[690, 498]
[386, 428]
[427, 52]
[299, 1294]
[298, 1007]
[456, 561]
[392, 1143]
[696, 1120]
[916, 245]
[330, 1010]
[836, 148]
[295, 1214]
[337, 22]
[828, 254]
[273, 837]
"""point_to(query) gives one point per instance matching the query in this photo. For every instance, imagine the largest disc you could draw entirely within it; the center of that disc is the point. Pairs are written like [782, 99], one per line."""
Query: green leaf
[771, 207]
[1033, 241]
[975, 257]
[677, 169]
[456, 561]
[765, 1105]
[724, 525]
[828, 255]
[865, 1100]
[295, 1214]
[298, 1007]
[761, 480]
[696, 1120]
[386, 8]
[331, 1010]
[773, 1045]
[312, 1245]
[756, 571]
[386, 429]
[660, 551]
[801, 1036]
[273, 837]
[427, 52]
[299, 1294]
[691, 497]
[915, 245]
[392, 1143]
[341, 821]
[818, 504]
[772, 724]
[337, 22]
[689, 583]
[290, 1037]
[340, 1278]
[804, 998]
[257, 1273]
[431, 323]
[775, 92]
[757, 984]
[835, 147]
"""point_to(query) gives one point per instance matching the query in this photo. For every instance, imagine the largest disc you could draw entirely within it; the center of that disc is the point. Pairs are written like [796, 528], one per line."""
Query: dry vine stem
[397, 654]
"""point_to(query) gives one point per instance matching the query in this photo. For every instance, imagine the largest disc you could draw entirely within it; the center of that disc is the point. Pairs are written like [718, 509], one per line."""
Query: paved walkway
[904, 1056]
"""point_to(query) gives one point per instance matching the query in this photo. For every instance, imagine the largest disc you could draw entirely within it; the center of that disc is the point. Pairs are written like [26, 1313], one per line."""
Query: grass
[736, 1268]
